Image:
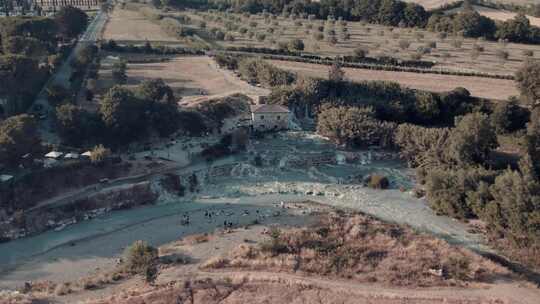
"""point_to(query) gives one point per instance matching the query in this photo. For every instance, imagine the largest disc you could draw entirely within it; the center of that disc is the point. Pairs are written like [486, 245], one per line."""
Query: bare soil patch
[498, 89]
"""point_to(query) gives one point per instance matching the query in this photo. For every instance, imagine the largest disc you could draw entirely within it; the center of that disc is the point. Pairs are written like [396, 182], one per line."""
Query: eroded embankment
[40, 220]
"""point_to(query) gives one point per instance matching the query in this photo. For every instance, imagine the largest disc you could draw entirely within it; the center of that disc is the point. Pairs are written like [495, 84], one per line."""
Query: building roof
[269, 108]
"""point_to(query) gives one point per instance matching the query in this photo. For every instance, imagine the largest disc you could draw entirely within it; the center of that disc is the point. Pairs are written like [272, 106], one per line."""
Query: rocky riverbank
[22, 224]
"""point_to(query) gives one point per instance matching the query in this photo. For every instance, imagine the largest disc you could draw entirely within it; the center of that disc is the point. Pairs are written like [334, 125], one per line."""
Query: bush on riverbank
[142, 259]
[377, 181]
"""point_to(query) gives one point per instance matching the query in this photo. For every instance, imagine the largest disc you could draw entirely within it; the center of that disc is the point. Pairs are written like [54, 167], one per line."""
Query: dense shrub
[142, 259]
[354, 126]
[22, 79]
[77, 126]
[227, 61]
[259, 71]
[454, 192]
[174, 28]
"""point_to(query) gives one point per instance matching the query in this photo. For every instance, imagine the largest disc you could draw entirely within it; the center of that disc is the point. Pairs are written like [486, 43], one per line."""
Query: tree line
[29, 50]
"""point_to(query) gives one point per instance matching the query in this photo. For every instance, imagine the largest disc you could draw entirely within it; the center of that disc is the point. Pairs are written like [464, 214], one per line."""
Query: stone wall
[270, 121]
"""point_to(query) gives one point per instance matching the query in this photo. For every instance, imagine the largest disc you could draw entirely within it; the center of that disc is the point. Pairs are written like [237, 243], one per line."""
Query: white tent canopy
[87, 154]
[5, 177]
[54, 154]
[72, 155]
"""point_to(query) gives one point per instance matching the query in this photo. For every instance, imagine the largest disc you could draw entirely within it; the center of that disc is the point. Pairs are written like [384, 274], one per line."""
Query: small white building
[269, 117]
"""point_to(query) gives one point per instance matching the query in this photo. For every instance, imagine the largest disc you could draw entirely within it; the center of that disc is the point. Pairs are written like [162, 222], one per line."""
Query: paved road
[62, 75]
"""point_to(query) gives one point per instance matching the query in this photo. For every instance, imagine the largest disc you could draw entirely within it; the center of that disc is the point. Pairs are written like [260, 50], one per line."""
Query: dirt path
[507, 292]
[498, 89]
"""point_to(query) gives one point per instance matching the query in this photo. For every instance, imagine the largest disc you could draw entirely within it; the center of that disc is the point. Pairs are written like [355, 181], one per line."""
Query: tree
[502, 55]
[160, 105]
[360, 53]
[528, 82]
[472, 24]
[22, 78]
[353, 126]
[142, 259]
[427, 107]
[85, 55]
[18, 136]
[76, 125]
[421, 146]
[318, 36]
[517, 29]
[472, 140]
[99, 154]
[27, 46]
[414, 15]
[452, 191]
[122, 113]
[514, 211]
[509, 117]
[532, 139]
[404, 44]
[296, 45]
[57, 95]
[119, 72]
[336, 73]
[70, 21]
[155, 90]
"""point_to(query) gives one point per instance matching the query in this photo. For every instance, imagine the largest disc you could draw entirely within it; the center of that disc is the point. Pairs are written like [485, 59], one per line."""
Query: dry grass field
[192, 78]
[384, 41]
[127, 25]
[498, 89]
[431, 4]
